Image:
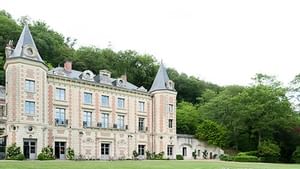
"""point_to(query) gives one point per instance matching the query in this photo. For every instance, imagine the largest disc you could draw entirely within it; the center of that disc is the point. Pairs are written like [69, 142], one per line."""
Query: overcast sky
[224, 42]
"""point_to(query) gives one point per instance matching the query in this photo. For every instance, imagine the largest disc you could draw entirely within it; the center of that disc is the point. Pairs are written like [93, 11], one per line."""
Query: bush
[268, 151]
[20, 157]
[226, 157]
[14, 152]
[46, 154]
[154, 156]
[296, 155]
[245, 158]
[179, 157]
[135, 154]
[70, 153]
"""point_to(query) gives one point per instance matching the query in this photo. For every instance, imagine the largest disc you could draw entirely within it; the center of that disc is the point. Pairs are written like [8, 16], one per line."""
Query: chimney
[68, 66]
[124, 78]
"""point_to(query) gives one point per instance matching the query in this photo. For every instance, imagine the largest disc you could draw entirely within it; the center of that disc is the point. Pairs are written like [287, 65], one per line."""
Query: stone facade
[187, 145]
[98, 116]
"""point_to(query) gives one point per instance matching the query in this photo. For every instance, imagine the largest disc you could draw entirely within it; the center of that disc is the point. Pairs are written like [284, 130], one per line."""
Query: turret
[164, 113]
[26, 93]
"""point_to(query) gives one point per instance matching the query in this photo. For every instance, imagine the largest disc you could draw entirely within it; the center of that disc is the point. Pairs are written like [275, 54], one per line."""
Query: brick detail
[161, 113]
[50, 105]
[50, 137]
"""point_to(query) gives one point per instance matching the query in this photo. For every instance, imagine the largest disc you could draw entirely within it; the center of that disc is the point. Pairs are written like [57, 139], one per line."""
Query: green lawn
[140, 165]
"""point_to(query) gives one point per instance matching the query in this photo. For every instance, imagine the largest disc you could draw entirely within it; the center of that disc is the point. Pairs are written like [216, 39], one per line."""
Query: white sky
[224, 42]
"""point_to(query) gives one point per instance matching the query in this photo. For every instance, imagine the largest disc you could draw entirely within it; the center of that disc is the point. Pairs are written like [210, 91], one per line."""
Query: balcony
[62, 123]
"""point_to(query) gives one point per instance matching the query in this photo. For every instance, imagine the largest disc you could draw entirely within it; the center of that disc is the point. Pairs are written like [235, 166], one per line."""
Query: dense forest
[261, 117]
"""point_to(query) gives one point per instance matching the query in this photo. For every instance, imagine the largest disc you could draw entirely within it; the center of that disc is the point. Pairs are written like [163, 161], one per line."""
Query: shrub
[245, 158]
[154, 156]
[268, 151]
[179, 157]
[13, 152]
[204, 154]
[135, 154]
[46, 154]
[296, 155]
[226, 157]
[194, 154]
[20, 157]
[70, 153]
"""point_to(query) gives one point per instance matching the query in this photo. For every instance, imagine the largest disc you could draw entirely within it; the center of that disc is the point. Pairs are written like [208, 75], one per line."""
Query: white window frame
[29, 107]
[121, 103]
[106, 103]
[60, 93]
[141, 106]
[85, 98]
[29, 85]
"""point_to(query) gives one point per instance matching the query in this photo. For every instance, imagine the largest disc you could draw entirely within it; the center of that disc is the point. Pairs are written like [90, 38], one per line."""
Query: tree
[187, 118]
[212, 132]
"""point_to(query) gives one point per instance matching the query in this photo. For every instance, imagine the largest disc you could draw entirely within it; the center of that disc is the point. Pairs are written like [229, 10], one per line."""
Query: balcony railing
[59, 122]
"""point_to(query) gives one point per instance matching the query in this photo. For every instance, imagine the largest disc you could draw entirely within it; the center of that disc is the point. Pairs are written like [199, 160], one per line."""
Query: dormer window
[170, 84]
[88, 75]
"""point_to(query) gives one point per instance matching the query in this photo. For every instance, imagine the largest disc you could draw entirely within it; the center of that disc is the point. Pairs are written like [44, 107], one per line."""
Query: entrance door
[60, 148]
[29, 149]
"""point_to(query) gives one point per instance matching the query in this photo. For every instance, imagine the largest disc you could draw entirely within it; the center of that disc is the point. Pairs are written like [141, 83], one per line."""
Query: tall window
[104, 149]
[170, 123]
[87, 98]
[29, 107]
[29, 85]
[60, 116]
[105, 120]
[170, 108]
[87, 119]
[121, 103]
[120, 122]
[105, 101]
[170, 150]
[60, 94]
[141, 150]
[184, 151]
[141, 124]
[141, 106]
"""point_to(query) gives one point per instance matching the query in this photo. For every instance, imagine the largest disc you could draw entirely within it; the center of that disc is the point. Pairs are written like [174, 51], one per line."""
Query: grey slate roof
[74, 74]
[25, 39]
[160, 80]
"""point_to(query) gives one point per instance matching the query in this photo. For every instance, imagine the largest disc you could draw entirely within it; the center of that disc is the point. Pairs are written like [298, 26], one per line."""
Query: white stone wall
[191, 144]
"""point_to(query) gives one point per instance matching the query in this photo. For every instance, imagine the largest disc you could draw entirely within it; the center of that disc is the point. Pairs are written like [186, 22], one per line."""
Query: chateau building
[98, 116]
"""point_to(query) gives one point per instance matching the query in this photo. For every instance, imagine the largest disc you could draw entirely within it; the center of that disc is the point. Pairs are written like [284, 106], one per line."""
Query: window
[105, 120]
[60, 94]
[87, 98]
[141, 106]
[141, 124]
[141, 150]
[87, 119]
[121, 103]
[170, 123]
[184, 153]
[29, 85]
[105, 101]
[29, 107]
[60, 116]
[120, 122]
[170, 150]
[170, 108]
[104, 149]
